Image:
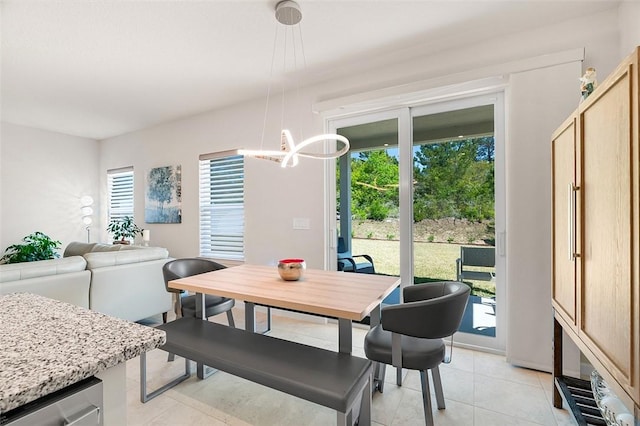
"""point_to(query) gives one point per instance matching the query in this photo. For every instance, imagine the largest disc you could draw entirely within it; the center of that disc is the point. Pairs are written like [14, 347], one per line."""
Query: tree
[455, 179]
[374, 185]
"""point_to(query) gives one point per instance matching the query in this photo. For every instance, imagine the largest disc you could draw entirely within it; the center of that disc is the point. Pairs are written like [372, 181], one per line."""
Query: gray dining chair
[411, 335]
[185, 306]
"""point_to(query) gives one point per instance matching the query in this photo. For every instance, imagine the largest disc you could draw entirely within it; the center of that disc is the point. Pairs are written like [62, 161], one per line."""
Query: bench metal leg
[204, 371]
[364, 412]
[144, 396]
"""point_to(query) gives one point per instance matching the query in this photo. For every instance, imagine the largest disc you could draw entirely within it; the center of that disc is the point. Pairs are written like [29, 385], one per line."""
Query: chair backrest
[478, 256]
[430, 311]
[182, 268]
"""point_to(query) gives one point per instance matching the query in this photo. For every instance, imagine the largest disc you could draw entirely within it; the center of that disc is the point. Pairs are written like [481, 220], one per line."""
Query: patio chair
[347, 261]
[475, 257]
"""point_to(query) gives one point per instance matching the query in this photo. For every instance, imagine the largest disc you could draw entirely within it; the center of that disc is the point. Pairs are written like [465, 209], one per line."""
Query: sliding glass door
[421, 184]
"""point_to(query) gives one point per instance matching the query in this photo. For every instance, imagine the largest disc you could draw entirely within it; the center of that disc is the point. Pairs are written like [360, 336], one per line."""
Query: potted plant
[37, 246]
[123, 229]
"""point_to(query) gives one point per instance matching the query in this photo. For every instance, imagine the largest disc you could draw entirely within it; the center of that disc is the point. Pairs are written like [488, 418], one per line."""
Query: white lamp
[146, 236]
[86, 201]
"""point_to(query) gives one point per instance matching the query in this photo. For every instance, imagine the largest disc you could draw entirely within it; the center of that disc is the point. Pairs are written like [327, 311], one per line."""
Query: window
[222, 206]
[120, 187]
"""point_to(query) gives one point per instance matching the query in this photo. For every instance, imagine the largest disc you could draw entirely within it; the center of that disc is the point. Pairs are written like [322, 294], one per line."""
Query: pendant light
[289, 14]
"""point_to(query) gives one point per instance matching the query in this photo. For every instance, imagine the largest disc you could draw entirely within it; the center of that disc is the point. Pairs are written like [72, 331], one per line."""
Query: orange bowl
[291, 269]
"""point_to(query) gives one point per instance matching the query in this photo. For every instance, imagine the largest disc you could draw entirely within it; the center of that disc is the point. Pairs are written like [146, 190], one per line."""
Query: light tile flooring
[480, 389]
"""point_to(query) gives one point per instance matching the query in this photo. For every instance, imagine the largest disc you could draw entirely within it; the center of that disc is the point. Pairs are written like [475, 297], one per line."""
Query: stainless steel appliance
[79, 405]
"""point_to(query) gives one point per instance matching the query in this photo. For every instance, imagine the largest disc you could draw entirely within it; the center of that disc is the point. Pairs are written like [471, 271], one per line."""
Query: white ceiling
[102, 68]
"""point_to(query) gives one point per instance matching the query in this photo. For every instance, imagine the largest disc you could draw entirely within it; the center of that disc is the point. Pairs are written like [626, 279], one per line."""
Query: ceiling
[101, 69]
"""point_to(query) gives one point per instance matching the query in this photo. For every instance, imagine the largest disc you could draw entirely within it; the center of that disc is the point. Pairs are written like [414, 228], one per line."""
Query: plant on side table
[123, 229]
[37, 246]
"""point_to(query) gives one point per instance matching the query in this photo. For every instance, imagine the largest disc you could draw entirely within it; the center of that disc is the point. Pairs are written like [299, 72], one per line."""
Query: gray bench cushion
[328, 378]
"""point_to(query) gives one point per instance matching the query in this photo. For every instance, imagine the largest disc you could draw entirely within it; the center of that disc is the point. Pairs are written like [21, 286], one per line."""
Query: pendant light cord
[266, 107]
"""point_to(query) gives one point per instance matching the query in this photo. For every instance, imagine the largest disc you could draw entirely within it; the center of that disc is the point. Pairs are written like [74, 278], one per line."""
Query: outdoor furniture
[347, 262]
[475, 257]
[411, 334]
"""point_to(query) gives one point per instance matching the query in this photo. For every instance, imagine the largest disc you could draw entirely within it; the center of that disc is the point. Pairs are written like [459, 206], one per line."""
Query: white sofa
[119, 280]
[65, 279]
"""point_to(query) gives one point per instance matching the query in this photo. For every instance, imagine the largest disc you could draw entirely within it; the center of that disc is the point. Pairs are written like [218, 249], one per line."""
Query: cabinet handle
[572, 221]
[87, 416]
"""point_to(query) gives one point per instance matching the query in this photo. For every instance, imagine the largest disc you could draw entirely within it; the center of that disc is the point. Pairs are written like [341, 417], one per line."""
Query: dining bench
[332, 379]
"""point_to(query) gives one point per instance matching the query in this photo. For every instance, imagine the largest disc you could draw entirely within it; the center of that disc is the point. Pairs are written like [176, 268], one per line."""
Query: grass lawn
[432, 261]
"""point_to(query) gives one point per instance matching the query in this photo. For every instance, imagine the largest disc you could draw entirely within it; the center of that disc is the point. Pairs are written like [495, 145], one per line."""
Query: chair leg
[232, 323]
[399, 376]
[426, 398]
[378, 376]
[437, 386]
[164, 317]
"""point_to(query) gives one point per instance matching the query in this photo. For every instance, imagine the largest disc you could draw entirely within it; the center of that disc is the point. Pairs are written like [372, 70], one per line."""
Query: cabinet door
[563, 157]
[607, 217]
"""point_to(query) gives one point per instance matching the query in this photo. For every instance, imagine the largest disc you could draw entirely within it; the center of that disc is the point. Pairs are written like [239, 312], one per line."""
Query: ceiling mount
[288, 12]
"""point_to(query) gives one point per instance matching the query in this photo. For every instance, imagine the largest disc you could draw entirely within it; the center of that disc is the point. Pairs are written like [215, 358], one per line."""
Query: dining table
[345, 296]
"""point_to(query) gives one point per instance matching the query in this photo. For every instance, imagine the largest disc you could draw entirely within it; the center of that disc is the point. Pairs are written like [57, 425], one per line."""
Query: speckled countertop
[46, 345]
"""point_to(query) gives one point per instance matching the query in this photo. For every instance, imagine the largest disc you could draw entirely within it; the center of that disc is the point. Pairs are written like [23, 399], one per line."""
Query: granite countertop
[46, 345]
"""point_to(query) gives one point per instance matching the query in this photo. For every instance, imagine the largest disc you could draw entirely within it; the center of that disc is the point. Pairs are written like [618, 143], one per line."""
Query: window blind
[222, 206]
[120, 188]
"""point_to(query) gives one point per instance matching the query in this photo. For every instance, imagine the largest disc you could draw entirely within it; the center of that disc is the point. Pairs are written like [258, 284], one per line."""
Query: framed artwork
[163, 195]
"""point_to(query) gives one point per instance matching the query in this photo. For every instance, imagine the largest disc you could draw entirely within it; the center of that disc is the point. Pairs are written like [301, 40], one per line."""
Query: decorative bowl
[291, 269]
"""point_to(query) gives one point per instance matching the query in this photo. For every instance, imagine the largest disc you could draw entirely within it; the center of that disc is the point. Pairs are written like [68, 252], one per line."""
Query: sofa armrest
[131, 291]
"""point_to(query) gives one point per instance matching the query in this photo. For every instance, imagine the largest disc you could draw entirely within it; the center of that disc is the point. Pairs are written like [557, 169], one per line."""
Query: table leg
[374, 317]
[203, 371]
[250, 316]
[345, 336]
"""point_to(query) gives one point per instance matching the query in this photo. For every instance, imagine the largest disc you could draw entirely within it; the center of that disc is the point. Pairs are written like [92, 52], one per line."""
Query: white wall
[529, 207]
[42, 177]
[629, 27]
[273, 196]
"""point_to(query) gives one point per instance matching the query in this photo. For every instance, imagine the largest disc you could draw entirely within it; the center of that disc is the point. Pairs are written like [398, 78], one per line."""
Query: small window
[120, 187]
[222, 206]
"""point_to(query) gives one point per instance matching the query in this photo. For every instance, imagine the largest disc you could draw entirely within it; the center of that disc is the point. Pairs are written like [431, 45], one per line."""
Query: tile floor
[480, 389]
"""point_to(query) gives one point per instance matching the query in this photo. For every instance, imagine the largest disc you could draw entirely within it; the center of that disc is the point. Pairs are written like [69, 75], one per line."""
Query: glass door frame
[404, 116]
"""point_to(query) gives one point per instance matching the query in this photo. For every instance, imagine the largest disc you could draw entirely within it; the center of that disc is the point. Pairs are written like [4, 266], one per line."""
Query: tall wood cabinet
[596, 300]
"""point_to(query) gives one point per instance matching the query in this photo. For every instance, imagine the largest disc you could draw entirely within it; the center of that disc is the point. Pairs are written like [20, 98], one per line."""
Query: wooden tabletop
[328, 293]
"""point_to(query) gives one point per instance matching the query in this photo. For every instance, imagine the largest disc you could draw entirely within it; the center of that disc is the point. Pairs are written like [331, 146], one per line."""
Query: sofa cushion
[97, 248]
[123, 257]
[25, 270]
[77, 248]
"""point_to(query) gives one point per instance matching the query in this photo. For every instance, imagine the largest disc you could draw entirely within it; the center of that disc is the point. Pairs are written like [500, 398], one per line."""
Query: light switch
[301, 223]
